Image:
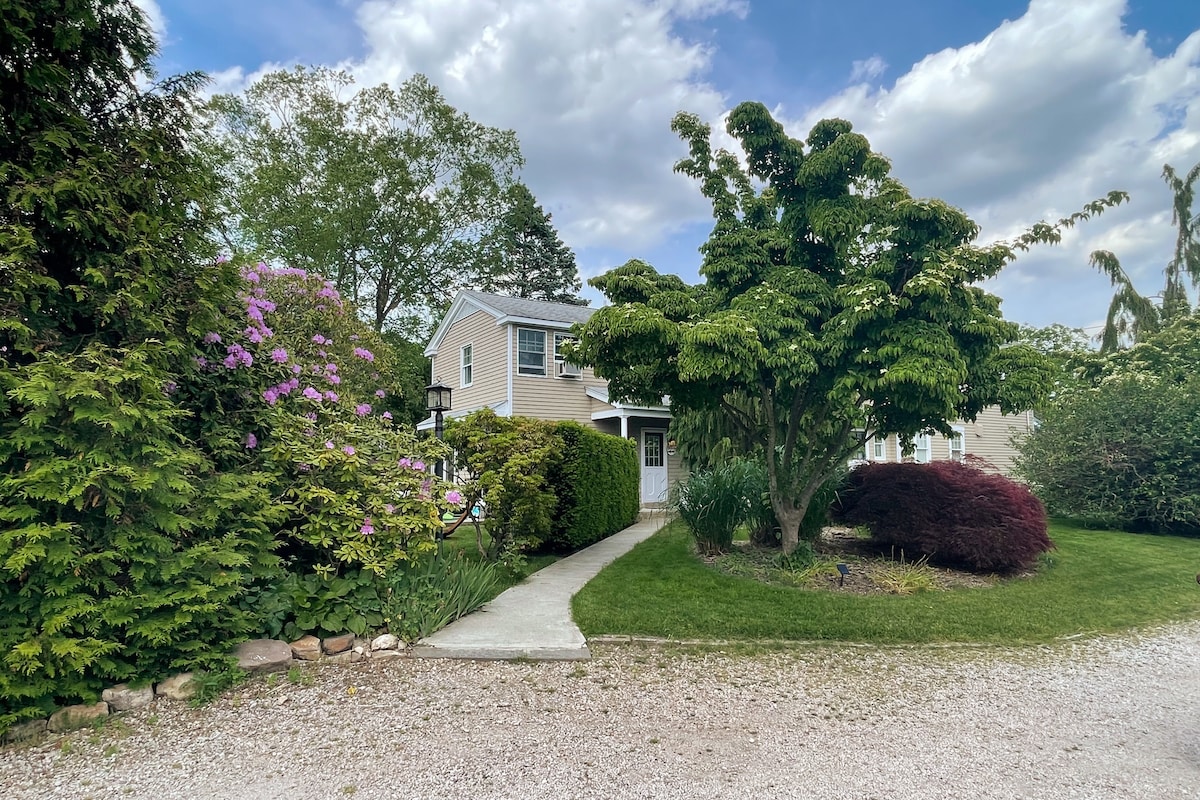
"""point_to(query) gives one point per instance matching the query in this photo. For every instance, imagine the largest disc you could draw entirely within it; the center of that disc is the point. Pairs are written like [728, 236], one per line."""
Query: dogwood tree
[834, 306]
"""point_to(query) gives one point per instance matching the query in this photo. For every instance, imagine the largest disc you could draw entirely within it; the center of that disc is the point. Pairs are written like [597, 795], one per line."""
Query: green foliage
[122, 551]
[213, 682]
[328, 606]
[378, 189]
[506, 461]
[1121, 455]
[597, 482]
[833, 302]
[1133, 316]
[905, 577]
[712, 503]
[124, 542]
[425, 597]
[527, 257]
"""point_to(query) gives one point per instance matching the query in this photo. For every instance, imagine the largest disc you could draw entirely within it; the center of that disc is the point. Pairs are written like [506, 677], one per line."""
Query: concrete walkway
[533, 619]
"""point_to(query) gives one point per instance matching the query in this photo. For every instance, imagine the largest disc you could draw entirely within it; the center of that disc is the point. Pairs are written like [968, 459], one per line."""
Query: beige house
[504, 353]
[988, 438]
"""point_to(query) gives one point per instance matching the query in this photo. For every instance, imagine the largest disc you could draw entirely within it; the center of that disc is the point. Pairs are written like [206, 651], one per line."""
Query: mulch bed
[870, 569]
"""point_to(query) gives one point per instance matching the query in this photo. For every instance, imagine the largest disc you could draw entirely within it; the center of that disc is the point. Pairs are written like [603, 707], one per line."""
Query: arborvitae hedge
[597, 482]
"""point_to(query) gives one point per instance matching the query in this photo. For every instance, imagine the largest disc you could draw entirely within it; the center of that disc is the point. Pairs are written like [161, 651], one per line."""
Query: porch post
[624, 427]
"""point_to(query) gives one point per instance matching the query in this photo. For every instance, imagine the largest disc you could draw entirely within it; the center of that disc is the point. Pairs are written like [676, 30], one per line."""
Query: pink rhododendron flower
[331, 397]
[328, 444]
[367, 528]
[405, 462]
[363, 353]
[454, 497]
[230, 361]
[331, 367]
[362, 409]
[319, 339]
[334, 379]
[201, 361]
[386, 415]
[297, 369]
[279, 355]
[271, 396]
[419, 466]
[170, 388]
[212, 337]
[348, 450]
[389, 508]
[312, 394]
[255, 336]
[251, 441]
[380, 393]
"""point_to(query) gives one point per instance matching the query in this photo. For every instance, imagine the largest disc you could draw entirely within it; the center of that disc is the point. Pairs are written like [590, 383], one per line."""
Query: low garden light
[843, 571]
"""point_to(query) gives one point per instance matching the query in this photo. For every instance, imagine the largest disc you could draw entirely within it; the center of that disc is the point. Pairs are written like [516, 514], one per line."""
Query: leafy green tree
[1070, 350]
[839, 303]
[1121, 451]
[529, 260]
[123, 549]
[1132, 316]
[388, 192]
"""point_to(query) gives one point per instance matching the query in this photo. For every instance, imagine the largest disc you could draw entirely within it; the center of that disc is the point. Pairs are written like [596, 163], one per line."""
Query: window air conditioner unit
[568, 370]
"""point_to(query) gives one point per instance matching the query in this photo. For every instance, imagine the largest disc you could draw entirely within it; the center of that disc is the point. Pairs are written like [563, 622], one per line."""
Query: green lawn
[1096, 581]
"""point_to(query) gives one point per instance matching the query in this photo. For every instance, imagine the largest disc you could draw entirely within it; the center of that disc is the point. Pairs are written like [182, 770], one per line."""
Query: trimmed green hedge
[598, 484]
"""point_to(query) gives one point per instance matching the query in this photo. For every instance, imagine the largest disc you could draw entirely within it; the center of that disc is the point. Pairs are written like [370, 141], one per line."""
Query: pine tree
[529, 260]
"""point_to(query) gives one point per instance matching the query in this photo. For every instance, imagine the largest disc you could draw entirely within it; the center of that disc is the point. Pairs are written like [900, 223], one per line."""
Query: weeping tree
[834, 300]
[1132, 316]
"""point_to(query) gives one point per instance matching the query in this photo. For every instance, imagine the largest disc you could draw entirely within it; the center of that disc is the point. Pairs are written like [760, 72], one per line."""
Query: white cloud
[590, 88]
[1044, 114]
[867, 69]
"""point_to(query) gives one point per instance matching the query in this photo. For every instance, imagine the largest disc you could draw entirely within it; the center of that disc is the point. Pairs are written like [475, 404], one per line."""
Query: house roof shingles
[532, 309]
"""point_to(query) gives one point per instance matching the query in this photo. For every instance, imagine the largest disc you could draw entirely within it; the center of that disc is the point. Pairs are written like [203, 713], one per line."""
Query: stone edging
[254, 656]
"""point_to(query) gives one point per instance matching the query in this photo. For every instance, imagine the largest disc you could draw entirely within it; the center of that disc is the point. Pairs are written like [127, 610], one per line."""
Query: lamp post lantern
[437, 400]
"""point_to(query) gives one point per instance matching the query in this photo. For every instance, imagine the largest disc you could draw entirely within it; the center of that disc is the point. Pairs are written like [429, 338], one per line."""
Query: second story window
[559, 339]
[531, 352]
[465, 369]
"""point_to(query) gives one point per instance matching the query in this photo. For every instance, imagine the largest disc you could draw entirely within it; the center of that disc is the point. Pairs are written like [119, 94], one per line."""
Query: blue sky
[1014, 111]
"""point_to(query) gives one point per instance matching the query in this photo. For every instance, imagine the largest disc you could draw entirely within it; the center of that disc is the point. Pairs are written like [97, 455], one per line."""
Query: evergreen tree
[529, 260]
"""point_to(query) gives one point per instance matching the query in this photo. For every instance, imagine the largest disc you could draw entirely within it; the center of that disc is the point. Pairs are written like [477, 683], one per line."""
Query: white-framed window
[958, 443]
[859, 454]
[922, 448]
[879, 449]
[559, 338]
[531, 352]
[466, 371]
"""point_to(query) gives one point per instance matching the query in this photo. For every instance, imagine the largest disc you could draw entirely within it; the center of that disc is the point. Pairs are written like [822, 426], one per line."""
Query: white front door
[654, 466]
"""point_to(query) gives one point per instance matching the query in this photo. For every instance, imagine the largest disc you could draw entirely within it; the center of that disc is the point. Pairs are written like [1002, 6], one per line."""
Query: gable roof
[508, 311]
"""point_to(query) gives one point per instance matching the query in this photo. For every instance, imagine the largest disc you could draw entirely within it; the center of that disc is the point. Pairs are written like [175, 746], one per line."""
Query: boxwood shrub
[953, 513]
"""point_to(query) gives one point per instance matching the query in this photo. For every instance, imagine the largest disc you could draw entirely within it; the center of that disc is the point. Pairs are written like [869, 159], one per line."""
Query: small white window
[921, 448]
[559, 338]
[531, 352]
[958, 444]
[465, 372]
[879, 449]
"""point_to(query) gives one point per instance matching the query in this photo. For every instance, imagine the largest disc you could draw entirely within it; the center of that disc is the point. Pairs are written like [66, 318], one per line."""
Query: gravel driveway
[1106, 718]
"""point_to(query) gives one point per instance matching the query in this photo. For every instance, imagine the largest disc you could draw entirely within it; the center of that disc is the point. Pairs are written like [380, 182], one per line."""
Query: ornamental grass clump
[712, 503]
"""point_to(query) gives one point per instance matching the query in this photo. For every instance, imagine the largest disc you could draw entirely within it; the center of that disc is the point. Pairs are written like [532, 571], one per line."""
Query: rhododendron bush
[295, 385]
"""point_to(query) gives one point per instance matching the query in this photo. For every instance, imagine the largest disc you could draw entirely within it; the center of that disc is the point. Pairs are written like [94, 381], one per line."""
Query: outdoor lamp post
[437, 400]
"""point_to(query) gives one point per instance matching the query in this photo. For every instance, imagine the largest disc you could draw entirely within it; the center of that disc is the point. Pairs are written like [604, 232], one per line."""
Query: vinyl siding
[987, 438]
[487, 340]
[548, 396]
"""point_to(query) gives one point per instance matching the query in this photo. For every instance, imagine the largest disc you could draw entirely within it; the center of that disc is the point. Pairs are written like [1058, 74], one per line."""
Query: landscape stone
[338, 644]
[24, 731]
[307, 648]
[387, 641]
[384, 655]
[72, 717]
[177, 687]
[345, 657]
[264, 655]
[123, 698]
